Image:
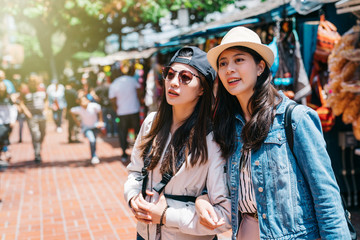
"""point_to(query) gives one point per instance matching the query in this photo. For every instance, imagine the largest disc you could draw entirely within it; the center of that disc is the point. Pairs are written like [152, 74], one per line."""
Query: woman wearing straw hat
[177, 143]
[273, 194]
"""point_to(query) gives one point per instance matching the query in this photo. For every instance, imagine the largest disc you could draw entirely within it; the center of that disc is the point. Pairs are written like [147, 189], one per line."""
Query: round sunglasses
[184, 76]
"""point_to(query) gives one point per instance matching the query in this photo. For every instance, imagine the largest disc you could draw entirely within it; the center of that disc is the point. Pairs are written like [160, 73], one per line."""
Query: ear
[260, 67]
[201, 91]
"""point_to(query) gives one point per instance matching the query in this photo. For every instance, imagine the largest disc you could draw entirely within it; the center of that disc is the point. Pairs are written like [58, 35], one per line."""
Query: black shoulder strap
[145, 177]
[288, 126]
[290, 138]
[166, 177]
[144, 174]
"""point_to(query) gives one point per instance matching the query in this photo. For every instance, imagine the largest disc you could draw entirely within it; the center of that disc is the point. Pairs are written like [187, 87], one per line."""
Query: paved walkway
[65, 197]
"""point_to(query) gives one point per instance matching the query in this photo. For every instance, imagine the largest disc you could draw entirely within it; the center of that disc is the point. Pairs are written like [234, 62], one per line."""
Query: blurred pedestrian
[109, 115]
[124, 94]
[176, 148]
[17, 80]
[57, 102]
[33, 100]
[9, 85]
[71, 96]
[153, 88]
[8, 114]
[90, 122]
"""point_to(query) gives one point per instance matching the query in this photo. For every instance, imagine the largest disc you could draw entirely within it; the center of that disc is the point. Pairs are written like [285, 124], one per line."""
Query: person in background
[21, 116]
[33, 102]
[153, 87]
[57, 102]
[124, 95]
[177, 141]
[274, 194]
[90, 121]
[9, 85]
[8, 115]
[102, 97]
[71, 96]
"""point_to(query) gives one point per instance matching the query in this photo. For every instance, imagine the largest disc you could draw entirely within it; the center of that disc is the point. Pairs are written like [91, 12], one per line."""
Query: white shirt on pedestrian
[124, 90]
[88, 116]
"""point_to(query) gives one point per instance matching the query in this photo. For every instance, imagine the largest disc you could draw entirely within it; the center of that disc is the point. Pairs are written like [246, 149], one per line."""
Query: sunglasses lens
[168, 73]
[185, 77]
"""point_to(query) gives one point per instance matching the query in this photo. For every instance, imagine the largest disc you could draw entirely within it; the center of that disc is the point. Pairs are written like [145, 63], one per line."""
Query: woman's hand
[157, 209]
[206, 213]
[140, 208]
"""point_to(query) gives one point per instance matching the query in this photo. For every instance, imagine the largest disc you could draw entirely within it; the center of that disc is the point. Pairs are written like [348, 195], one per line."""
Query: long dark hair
[262, 106]
[190, 137]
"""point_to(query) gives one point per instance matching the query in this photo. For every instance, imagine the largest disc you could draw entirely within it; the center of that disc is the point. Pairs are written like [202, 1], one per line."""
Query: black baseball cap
[198, 60]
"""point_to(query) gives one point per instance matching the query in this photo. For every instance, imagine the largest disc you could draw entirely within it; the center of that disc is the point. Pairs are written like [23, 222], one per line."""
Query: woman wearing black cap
[175, 153]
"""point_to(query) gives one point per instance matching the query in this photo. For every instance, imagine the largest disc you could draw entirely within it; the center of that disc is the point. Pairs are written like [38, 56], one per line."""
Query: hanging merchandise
[273, 46]
[343, 88]
[327, 37]
[291, 76]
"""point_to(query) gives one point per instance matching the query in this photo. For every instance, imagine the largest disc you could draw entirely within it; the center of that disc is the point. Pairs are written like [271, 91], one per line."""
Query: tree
[141, 14]
[82, 25]
[78, 22]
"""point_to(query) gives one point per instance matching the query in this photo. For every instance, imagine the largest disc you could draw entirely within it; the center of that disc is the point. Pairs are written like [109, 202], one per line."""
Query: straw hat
[241, 36]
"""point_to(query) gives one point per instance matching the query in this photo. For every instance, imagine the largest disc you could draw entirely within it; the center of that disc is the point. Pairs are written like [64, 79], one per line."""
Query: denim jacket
[295, 199]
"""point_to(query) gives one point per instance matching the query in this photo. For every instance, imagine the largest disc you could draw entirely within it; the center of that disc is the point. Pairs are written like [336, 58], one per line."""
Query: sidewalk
[65, 197]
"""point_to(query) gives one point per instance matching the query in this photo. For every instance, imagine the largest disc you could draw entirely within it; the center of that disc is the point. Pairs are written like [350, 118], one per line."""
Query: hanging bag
[327, 36]
[317, 99]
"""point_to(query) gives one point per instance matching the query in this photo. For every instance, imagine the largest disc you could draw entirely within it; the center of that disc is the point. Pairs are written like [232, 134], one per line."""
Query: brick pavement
[65, 197]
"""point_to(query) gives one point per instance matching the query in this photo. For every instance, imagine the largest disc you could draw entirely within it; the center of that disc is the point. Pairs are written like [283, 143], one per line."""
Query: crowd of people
[92, 103]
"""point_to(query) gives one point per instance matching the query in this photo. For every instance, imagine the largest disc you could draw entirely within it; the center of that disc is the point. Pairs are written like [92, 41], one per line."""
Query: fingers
[143, 204]
[150, 193]
[207, 214]
[142, 217]
[210, 224]
[207, 221]
[220, 222]
[138, 207]
[212, 214]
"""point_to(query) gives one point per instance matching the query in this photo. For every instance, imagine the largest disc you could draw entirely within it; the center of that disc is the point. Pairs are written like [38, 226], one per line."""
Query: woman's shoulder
[299, 110]
[148, 121]
[150, 117]
[300, 113]
[212, 145]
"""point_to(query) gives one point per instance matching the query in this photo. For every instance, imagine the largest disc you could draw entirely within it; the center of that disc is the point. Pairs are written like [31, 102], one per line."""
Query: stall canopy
[122, 55]
[266, 12]
[217, 29]
[345, 6]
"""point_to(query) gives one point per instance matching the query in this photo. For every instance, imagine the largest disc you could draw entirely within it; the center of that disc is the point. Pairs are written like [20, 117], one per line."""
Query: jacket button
[257, 163]
[260, 189]
[279, 136]
[264, 216]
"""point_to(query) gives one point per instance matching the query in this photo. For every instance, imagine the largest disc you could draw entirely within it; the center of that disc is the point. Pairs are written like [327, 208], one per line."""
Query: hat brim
[264, 51]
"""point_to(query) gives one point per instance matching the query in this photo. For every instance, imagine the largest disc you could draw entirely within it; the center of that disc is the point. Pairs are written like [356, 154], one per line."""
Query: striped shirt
[35, 102]
[247, 203]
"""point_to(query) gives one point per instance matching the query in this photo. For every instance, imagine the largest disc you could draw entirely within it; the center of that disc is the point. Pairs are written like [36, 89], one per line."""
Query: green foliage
[77, 21]
[31, 45]
[83, 23]
[34, 12]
